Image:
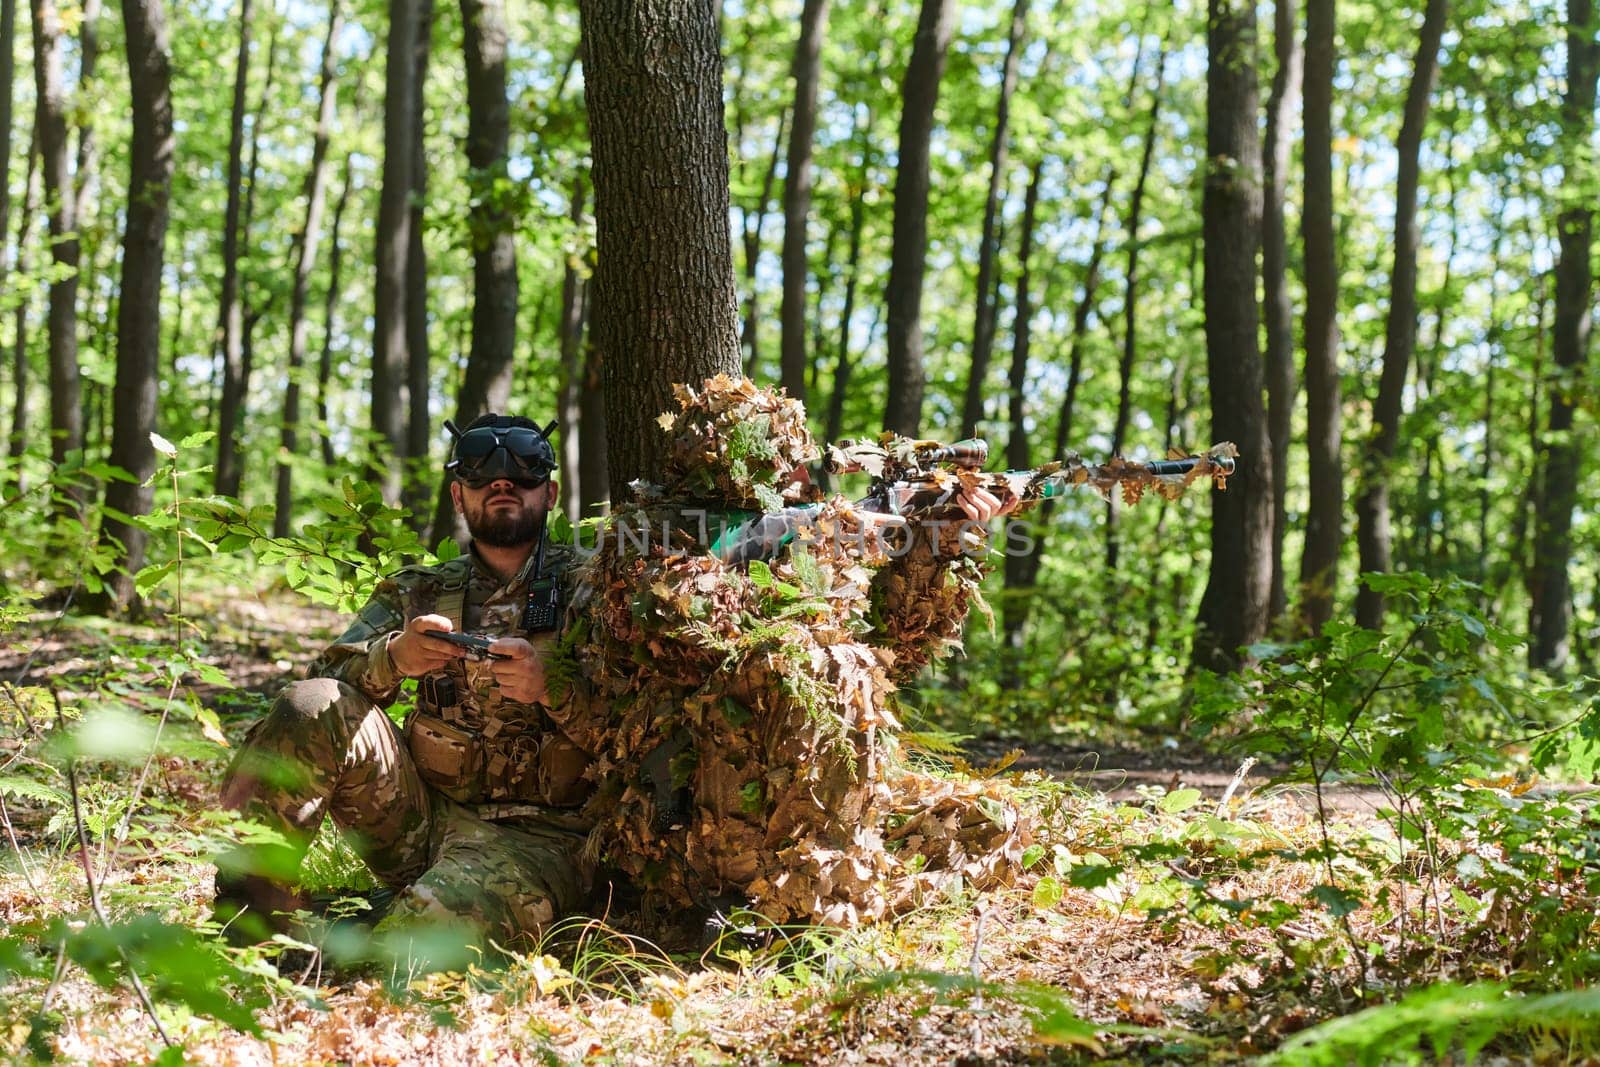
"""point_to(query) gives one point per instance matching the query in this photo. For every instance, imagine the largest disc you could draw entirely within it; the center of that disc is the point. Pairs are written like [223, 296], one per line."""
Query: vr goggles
[501, 446]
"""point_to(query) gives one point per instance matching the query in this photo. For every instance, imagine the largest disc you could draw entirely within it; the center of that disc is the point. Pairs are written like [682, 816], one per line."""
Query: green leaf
[162, 445]
[1180, 800]
[14, 786]
[149, 577]
[1339, 902]
[1047, 894]
[1094, 875]
[760, 574]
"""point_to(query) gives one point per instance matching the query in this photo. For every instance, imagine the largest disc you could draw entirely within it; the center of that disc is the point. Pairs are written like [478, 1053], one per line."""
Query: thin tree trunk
[330, 306]
[306, 242]
[1277, 306]
[842, 366]
[8, 65]
[390, 353]
[1372, 507]
[19, 347]
[418, 480]
[1020, 569]
[570, 333]
[593, 472]
[1423, 524]
[1233, 612]
[797, 196]
[908, 262]
[754, 223]
[50, 95]
[665, 306]
[984, 315]
[1130, 303]
[1319, 562]
[486, 385]
[150, 154]
[231, 310]
[1550, 610]
[87, 170]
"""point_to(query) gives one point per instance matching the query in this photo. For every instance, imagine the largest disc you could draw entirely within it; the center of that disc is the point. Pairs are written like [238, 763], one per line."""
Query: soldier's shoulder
[455, 571]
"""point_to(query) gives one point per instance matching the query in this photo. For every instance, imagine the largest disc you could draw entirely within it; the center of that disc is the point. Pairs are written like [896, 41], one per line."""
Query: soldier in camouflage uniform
[731, 662]
[470, 813]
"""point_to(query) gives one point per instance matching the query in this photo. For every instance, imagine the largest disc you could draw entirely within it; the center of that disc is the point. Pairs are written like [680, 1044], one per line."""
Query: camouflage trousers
[324, 749]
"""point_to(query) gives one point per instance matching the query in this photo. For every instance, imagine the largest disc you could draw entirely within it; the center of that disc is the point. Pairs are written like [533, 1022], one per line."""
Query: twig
[1233, 786]
[976, 964]
[99, 910]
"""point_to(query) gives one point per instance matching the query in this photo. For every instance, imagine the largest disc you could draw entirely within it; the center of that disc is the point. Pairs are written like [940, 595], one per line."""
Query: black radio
[543, 613]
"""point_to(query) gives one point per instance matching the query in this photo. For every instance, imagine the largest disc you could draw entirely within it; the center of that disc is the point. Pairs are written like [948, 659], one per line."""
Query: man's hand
[518, 669]
[979, 505]
[414, 653]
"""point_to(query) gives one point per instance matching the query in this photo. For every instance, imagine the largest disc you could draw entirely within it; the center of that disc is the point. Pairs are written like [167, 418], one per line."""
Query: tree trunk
[797, 196]
[1020, 569]
[150, 157]
[834, 424]
[1130, 303]
[1400, 339]
[417, 479]
[1233, 612]
[1278, 308]
[1325, 512]
[50, 94]
[87, 172]
[8, 62]
[1551, 607]
[330, 304]
[305, 259]
[908, 263]
[486, 384]
[231, 311]
[19, 347]
[983, 318]
[754, 223]
[570, 333]
[390, 353]
[665, 307]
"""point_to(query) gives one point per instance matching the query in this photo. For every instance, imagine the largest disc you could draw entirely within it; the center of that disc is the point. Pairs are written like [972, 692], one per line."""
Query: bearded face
[503, 517]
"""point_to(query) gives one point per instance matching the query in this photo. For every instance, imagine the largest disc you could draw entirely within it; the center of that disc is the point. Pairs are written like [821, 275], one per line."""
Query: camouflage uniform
[470, 813]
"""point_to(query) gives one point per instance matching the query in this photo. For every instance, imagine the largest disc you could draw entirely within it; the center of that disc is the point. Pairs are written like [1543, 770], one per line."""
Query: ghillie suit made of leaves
[759, 694]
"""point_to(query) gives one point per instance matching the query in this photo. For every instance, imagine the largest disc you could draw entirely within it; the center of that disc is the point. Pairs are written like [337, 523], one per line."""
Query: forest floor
[1167, 916]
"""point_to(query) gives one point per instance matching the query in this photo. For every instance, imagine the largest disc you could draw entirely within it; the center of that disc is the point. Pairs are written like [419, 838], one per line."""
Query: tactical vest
[467, 740]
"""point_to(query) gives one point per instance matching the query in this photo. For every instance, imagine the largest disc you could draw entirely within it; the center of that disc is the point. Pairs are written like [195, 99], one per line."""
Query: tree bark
[1551, 607]
[150, 155]
[1319, 561]
[983, 317]
[8, 64]
[833, 425]
[330, 304]
[231, 311]
[1130, 303]
[1278, 308]
[1233, 611]
[305, 259]
[1400, 340]
[417, 479]
[665, 309]
[390, 352]
[50, 94]
[797, 196]
[908, 263]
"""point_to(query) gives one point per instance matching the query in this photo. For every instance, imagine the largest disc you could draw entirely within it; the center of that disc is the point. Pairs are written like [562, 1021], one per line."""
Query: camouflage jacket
[468, 740]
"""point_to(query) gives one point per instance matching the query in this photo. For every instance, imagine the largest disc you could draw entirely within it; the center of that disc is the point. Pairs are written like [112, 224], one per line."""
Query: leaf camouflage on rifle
[772, 683]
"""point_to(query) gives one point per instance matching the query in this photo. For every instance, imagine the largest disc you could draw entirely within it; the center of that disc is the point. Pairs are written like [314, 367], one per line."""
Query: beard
[504, 527]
